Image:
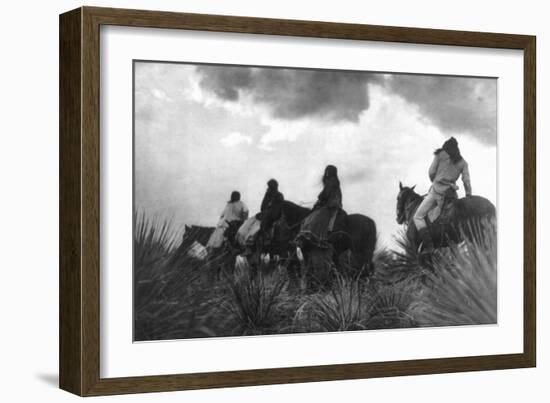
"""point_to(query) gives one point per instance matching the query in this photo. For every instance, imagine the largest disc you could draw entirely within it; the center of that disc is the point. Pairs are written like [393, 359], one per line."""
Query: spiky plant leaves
[339, 309]
[170, 299]
[464, 290]
[252, 301]
[179, 296]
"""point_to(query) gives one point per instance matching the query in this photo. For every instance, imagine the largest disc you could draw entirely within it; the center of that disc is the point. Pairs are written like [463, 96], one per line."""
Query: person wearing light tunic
[447, 167]
[234, 214]
[235, 209]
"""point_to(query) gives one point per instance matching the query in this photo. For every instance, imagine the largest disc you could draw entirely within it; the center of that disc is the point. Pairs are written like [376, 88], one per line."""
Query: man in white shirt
[234, 214]
[235, 209]
[447, 166]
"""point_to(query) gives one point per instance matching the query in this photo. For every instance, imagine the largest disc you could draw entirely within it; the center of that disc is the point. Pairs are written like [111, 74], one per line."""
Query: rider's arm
[433, 168]
[466, 179]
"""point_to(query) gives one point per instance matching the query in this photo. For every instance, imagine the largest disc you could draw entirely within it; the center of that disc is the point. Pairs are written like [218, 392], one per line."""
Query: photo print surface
[275, 200]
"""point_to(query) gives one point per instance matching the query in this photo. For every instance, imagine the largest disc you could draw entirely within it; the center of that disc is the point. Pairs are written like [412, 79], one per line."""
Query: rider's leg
[430, 200]
[420, 215]
[438, 206]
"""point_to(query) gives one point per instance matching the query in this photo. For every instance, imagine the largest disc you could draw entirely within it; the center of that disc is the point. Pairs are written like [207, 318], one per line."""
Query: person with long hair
[272, 204]
[320, 222]
[447, 166]
[272, 196]
[331, 195]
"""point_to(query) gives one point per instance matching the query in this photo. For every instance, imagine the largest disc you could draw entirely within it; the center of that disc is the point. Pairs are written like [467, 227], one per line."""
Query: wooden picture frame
[79, 348]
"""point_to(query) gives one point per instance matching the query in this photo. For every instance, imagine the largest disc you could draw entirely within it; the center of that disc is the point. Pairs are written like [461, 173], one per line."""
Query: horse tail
[371, 245]
[364, 237]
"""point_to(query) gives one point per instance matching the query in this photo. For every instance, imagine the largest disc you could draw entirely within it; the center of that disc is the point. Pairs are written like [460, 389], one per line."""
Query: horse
[358, 237]
[193, 251]
[454, 221]
[196, 233]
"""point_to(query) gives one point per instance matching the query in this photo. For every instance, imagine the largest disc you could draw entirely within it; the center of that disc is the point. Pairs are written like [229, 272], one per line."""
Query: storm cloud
[454, 104]
[293, 93]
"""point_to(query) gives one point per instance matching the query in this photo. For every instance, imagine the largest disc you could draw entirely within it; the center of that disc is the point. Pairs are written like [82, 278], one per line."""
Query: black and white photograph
[241, 201]
[275, 200]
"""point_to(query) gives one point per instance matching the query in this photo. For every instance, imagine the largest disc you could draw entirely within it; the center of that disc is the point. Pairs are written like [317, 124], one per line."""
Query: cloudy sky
[202, 131]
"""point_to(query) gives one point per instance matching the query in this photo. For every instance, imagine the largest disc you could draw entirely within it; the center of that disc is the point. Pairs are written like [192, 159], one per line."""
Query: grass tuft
[253, 301]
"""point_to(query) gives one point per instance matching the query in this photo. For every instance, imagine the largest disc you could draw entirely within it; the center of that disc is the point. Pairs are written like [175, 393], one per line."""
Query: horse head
[197, 233]
[403, 197]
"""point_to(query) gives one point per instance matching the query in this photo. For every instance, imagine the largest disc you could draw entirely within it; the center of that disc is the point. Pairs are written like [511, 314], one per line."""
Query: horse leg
[367, 265]
[253, 264]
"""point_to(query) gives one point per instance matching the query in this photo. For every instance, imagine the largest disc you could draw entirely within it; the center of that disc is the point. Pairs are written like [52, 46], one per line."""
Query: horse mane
[412, 195]
[294, 213]
[411, 202]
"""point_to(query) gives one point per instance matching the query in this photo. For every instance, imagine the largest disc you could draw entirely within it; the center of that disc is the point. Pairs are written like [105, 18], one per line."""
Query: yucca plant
[339, 309]
[153, 241]
[464, 290]
[252, 302]
[405, 264]
[153, 244]
[390, 307]
[351, 304]
[169, 302]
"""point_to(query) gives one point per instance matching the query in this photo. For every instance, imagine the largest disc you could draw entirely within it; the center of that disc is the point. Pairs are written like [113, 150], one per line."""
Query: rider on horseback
[235, 210]
[234, 214]
[447, 166]
[317, 226]
[331, 195]
[271, 204]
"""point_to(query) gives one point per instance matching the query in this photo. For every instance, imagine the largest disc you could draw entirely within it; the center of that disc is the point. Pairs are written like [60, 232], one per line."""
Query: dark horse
[358, 236]
[452, 222]
[212, 262]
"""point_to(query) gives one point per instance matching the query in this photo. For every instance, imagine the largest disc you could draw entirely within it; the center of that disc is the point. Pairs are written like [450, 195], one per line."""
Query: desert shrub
[169, 300]
[179, 295]
[391, 306]
[252, 301]
[464, 290]
[353, 304]
[341, 308]
[403, 264]
[153, 244]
